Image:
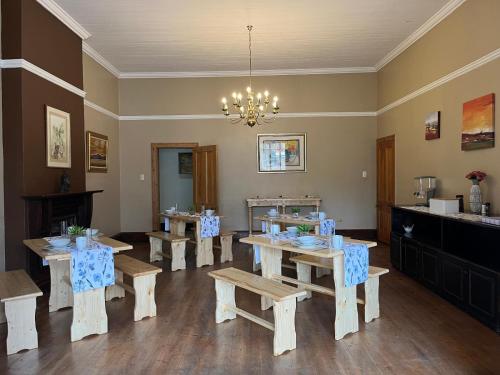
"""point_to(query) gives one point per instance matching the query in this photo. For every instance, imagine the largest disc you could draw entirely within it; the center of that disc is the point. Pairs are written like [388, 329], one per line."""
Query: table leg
[89, 314]
[250, 220]
[61, 294]
[204, 248]
[178, 227]
[346, 307]
[271, 265]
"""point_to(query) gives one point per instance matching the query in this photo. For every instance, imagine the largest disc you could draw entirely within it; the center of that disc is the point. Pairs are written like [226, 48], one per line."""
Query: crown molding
[100, 60]
[244, 73]
[444, 12]
[441, 81]
[23, 64]
[65, 18]
[221, 116]
[100, 109]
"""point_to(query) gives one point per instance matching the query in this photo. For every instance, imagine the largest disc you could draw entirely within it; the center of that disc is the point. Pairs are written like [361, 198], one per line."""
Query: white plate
[315, 246]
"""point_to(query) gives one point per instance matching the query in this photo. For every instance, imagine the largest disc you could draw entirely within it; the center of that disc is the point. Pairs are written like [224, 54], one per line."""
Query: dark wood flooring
[418, 332]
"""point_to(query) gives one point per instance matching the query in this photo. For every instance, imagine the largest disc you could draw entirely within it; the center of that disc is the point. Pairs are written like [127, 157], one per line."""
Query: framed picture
[280, 153]
[478, 123]
[97, 152]
[433, 126]
[58, 138]
[185, 163]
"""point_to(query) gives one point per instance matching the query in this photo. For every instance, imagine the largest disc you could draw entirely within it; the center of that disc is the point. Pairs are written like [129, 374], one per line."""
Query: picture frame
[185, 162]
[478, 123]
[58, 138]
[282, 153]
[97, 152]
[433, 126]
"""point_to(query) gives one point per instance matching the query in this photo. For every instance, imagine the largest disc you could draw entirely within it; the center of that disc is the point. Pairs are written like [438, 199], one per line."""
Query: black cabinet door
[454, 279]
[483, 292]
[411, 259]
[430, 268]
[396, 251]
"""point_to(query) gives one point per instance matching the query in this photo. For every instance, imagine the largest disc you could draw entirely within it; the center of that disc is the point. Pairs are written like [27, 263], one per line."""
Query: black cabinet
[457, 259]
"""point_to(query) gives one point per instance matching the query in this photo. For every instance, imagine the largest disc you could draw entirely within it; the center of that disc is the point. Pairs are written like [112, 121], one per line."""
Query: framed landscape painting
[280, 153]
[58, 131]
[433, 126]
[478, 123]
[97, 152]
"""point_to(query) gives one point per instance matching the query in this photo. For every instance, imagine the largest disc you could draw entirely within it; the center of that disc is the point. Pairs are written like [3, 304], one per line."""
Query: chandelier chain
[250, 27]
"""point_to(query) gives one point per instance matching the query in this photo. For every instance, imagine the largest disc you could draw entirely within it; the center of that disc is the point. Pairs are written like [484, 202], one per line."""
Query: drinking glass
[63, 225]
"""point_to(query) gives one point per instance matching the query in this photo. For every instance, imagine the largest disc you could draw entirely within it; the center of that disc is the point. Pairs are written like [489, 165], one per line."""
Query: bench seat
[18, 295]
[284, 304]
[177, 249]
[144, 280]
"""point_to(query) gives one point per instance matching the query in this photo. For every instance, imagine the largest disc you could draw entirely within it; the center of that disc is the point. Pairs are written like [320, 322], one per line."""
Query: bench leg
[145, 305]
[115, 291]
[204, 252]
[284, 326]
[320, 272]
[89, 314]
[155, 247]
[226, 243]
[346, 307]
[178, 255]
[21, 332]
[372, 308]
[225, 297]
[61, 293]
[304, 274]
[271, 265]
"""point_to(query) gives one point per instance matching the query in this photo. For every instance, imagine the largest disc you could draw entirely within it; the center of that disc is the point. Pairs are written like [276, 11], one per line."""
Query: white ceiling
[211, 35]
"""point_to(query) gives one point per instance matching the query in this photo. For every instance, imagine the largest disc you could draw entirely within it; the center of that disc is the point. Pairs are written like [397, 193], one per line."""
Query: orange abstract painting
[478, 124]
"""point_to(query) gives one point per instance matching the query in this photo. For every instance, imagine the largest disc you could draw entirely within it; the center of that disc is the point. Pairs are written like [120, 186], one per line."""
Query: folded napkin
[210, 226]
[92, 268]
[326, 227]
[355, 264]
[167, 224]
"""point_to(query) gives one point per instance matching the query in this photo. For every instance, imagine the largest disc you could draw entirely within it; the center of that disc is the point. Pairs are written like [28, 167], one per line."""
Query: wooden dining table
[204, 246]
[89, 311]
[346, 308]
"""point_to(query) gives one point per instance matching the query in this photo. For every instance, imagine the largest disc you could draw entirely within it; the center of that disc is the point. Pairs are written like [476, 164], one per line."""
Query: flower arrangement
[476, 175]
[76, 231]
[303, 228]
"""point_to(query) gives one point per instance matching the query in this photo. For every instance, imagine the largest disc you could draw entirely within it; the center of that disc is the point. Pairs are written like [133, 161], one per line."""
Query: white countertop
[462, 216]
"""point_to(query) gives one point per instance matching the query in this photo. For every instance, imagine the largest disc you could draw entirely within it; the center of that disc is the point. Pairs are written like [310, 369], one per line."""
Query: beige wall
[466, 35]
[102, 89]
[470, 32]
[339, 149]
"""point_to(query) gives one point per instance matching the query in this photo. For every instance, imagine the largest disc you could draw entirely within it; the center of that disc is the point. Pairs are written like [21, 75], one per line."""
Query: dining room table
[89, 311]
[204, 244]
[271, 253]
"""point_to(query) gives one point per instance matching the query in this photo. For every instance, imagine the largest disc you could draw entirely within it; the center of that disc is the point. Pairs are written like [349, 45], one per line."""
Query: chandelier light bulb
[275, 99]
[234, 95]
[224, 101]
[266, 93]
[249, 89]
[261, 108]
[242, 109]
[259, 96]
[240, 96]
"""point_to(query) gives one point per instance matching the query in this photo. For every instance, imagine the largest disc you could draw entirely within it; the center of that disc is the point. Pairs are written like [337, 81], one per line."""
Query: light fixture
[256, 109]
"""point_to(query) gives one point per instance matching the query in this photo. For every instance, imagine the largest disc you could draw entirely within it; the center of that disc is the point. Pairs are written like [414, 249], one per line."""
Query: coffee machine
[425, 189]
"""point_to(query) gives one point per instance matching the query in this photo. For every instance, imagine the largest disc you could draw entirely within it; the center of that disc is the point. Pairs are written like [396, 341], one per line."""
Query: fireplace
[44, 213]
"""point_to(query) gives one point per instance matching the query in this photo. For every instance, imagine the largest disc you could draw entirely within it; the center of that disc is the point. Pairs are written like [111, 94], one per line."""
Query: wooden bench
[284, 304]
[144, 280]
[18, 295]
[177, 249]
[371, 301]
[226, 243]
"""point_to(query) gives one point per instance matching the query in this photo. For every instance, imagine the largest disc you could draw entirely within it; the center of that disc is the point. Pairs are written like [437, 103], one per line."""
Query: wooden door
[205, 177]
[385, 186]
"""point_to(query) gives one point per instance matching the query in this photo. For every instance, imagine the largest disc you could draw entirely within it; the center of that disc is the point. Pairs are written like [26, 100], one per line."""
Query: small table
[282, 202]
[290, 219]
[346, 308]
[89, 311]
[204, 246]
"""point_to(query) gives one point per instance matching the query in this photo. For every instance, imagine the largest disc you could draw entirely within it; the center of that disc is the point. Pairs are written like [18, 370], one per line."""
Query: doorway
[171, 182]
[385, 186]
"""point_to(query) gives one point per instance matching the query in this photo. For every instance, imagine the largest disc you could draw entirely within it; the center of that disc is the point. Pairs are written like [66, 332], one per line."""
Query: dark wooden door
[385, 186]
[205, 177]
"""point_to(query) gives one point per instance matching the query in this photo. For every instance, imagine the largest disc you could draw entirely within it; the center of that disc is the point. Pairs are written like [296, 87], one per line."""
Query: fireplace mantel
[60, 195]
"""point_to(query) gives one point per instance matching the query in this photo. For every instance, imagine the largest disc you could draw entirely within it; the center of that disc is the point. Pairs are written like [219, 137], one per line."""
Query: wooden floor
[418, 332]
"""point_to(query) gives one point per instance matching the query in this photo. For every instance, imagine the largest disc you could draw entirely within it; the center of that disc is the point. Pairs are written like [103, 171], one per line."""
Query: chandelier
[256, 110]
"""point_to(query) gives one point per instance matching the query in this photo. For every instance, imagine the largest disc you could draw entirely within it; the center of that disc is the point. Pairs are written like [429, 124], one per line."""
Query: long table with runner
[89, 312]
[204, 241]
[346, 309]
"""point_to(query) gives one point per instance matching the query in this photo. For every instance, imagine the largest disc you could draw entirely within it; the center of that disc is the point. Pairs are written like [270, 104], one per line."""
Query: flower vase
[475, 199]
